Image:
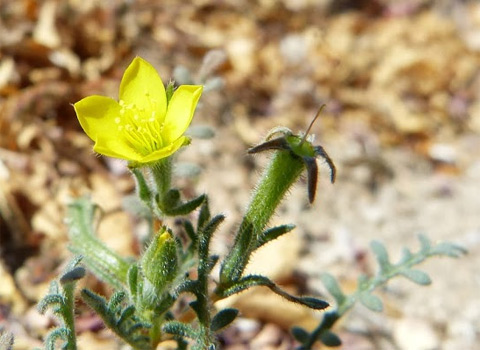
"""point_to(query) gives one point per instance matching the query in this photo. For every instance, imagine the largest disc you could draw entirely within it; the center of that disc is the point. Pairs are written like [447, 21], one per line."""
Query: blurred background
[400, 80]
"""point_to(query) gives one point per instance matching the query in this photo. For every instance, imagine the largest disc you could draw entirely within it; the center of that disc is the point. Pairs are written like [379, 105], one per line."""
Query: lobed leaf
[300, 334]
[381, 255]
[417, 276]
[223, 318]
[179, 329]
[333, 288]
[371, 301]
[330, 339]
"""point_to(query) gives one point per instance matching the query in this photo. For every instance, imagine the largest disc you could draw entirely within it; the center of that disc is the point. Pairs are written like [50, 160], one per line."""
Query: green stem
[162, 175]
[280, 175]
[68, 315]
[204, 317]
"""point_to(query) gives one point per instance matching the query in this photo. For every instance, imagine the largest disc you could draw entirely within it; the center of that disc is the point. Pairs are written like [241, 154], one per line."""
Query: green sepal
[417, 276]
[223, 318]
[330, 339]
[371, 301]
[300, 334]
[273, 233]
[132, 281]
[179, 329]
[169, 90]
[333, 288]
[160, 262]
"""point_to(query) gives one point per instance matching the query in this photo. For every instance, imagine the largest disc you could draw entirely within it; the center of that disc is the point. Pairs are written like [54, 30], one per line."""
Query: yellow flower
[141, 127]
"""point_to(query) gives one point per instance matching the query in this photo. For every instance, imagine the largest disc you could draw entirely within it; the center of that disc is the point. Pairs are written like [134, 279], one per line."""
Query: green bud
[160, 263]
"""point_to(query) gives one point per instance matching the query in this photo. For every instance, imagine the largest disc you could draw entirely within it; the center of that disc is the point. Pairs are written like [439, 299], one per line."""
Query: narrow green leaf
[126, 315]
[179, 329]
[53, 336]
[187, 225]
[204, 215]
[50, 300]
[115, 300]
[223, 318]
[371, 301]
[417, 276]
[313, 303]
[300, 334]
[257, 280]
[184, 208]
[245, 283]
[333, 288]
[95, 301]
[273, 233]
[330, 339]
[207, 231]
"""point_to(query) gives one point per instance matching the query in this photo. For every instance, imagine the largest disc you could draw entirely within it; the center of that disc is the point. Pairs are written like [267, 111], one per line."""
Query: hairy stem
[279, 176]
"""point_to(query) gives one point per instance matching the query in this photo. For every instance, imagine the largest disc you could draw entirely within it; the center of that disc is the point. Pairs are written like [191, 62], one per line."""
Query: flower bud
[160, 263]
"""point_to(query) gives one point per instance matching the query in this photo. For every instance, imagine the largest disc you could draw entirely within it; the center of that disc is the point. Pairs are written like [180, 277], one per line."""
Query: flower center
[140, 128]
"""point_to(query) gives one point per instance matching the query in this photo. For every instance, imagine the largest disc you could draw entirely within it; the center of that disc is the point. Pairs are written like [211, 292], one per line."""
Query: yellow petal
[96, 115]
[180, 111]
[116, 149]
[142, 86]
[164, 152]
